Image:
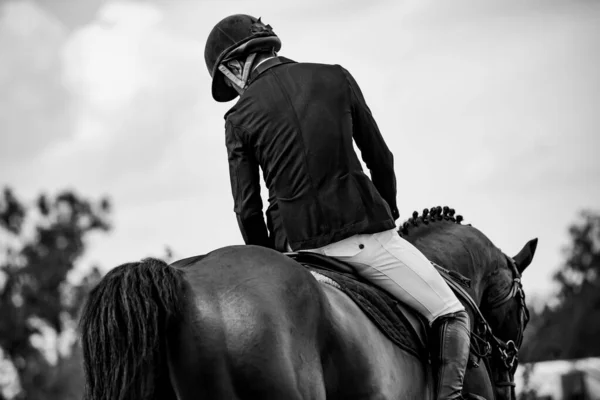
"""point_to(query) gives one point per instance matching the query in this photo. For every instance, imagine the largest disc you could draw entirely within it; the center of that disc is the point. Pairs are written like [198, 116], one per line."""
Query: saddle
[402, 325]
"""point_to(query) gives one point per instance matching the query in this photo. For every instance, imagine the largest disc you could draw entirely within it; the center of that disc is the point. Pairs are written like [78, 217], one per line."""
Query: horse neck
[459, 248]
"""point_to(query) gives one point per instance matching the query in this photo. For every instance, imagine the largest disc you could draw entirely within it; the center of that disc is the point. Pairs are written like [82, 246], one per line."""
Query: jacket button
[361, 246]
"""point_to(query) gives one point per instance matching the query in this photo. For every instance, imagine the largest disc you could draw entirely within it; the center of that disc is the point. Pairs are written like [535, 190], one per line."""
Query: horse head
[505, 310]
[495, 285]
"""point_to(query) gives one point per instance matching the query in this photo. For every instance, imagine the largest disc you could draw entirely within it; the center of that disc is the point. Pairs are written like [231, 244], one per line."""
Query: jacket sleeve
[245, 187]
[374, 151]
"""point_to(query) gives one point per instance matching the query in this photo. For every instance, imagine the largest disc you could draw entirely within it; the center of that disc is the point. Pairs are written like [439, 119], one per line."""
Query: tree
[37, 301]
[571, 328]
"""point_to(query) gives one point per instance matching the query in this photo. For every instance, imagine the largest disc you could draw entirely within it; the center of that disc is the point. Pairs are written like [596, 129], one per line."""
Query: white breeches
[392, 263]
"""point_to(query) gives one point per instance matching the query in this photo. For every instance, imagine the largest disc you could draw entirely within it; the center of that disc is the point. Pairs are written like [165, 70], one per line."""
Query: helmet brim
[221, 91]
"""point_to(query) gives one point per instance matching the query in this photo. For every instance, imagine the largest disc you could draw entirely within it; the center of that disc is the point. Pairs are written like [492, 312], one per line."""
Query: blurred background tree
[40, 245]
[570, 328]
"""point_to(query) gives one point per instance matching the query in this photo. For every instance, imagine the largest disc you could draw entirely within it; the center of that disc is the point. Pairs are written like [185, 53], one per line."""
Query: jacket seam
[322, 216]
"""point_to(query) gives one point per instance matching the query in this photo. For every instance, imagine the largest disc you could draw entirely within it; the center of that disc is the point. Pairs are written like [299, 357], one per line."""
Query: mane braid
[431, 215]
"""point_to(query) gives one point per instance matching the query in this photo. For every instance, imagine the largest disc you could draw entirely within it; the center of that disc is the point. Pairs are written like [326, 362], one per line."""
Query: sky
[490, 107]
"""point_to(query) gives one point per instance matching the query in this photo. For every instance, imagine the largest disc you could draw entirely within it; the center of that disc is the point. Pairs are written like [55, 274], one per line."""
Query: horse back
[251, 328]
[259, 325]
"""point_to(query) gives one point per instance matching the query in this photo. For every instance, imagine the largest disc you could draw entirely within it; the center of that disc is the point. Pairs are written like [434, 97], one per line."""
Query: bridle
[504, 353]
[509, 349]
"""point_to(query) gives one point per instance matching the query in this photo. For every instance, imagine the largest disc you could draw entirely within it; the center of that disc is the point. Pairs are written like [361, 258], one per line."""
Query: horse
[248, 322]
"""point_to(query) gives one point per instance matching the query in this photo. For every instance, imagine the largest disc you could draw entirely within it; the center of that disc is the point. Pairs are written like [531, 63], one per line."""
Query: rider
[297, 121]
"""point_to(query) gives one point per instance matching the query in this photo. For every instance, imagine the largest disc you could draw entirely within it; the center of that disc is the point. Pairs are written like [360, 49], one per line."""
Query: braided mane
[431, 215]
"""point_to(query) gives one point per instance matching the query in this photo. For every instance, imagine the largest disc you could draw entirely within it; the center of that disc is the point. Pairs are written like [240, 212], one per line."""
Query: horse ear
[525, 256]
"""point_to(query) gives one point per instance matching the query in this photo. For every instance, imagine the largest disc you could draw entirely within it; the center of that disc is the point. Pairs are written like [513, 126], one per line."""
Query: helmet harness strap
[241, 83]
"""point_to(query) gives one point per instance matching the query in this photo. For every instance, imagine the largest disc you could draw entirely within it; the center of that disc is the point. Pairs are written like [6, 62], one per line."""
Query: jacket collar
[270, 63]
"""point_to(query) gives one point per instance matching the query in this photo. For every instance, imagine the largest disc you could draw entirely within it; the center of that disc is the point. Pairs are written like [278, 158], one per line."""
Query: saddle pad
[380, 307]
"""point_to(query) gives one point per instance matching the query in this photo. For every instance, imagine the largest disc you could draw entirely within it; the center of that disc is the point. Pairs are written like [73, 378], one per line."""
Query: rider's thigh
[394, 264]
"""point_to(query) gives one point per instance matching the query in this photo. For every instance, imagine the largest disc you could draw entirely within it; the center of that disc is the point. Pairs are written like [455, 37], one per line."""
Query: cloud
[134, 94]
[488, 106]
[34, 108]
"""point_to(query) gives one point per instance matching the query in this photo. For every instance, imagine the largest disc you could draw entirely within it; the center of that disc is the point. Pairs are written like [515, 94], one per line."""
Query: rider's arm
[245, 187]
[374, 151]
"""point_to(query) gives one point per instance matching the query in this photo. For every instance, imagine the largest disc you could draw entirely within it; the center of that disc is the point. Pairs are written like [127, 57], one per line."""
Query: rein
[508, 351]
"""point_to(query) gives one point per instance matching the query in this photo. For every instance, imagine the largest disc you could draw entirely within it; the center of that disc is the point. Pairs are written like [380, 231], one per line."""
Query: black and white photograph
[299, 200]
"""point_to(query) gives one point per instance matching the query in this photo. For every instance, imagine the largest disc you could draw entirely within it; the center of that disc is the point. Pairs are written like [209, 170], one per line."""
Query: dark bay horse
[246, 322]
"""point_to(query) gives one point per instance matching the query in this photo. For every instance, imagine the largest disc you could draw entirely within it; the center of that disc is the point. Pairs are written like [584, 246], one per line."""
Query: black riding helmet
[235, 36]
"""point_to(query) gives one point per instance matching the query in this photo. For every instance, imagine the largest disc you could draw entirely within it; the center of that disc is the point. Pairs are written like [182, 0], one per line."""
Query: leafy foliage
[37, 301]
[571, 328]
